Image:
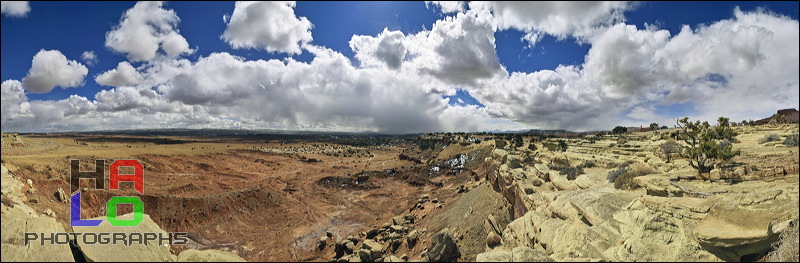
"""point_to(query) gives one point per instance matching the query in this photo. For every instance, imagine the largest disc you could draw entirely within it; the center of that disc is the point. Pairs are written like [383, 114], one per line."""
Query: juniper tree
[705, 145]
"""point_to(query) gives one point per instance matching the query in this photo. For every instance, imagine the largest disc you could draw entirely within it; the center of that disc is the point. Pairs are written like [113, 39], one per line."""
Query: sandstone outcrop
[18, 218]
[587, 219]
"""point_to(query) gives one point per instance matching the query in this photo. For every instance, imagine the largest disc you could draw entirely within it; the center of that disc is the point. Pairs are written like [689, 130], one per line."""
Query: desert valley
[440, 197]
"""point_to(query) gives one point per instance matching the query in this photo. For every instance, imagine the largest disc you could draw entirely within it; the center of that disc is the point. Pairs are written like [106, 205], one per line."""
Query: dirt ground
[265, 201]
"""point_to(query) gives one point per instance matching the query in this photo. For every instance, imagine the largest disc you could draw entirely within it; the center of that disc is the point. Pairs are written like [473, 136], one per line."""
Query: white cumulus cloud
[15, 8]
[89, 57]
[387, 48]
[459, 50]
[557, 18]
[738, 67]
[49, 69]
[271, 26]
[145, 29]
[123, 75]
[741, 67]
[447, 6]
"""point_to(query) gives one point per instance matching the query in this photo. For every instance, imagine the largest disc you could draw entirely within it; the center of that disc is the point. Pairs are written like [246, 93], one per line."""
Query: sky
[393, 67]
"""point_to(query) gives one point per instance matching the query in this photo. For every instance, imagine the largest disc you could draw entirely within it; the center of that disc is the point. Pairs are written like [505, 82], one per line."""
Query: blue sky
[75, 27]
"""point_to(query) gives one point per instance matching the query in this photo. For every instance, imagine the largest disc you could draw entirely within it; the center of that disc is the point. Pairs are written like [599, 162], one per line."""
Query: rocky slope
[19, 218]
[587, 219]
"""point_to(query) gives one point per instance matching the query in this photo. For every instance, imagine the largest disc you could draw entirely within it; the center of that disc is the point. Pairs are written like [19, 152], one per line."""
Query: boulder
[526, 254]
[600, 205]
[659, 229]
[61, 196]
[495, 255]
[499, 155]
[493, 239]
[323, 241]
[18, 218]
[349, 247]
[375, 249]
[747, 225]
[393, 259]
[570, 239]
[193, 255]
[372, 233]
[14, 229]
[49, 212]
[398, 220]
[364, 255]
[514, 161]
[562, 183]
[443, 248]
[715, 175]
[153, 251]
[411, 238]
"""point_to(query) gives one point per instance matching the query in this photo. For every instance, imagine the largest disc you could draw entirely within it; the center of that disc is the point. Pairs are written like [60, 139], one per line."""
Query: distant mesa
[783, 116]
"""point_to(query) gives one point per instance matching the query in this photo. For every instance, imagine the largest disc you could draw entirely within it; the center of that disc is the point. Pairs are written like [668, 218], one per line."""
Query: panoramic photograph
[428, 131]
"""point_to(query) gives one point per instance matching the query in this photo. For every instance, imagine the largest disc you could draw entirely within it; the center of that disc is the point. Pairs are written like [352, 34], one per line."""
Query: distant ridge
[782, 116]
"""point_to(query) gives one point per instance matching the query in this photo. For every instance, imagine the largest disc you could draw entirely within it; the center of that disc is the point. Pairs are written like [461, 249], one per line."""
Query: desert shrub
[561, 161]
[550, 146]
[670, 147]
[562, 145]
[500, 144]
[621, 169]
[786, 248]
[612, 145]
[571, 172]
[532, 146]
[587, 164]
[769, 138]
[623, 177]
[791, 140]
[654, 127]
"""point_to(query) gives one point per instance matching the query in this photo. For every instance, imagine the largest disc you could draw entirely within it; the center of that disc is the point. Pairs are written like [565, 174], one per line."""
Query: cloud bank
[739, 67]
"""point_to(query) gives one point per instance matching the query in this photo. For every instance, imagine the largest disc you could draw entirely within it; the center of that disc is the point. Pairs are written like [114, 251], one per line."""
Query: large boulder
[153, 251]
[193, 255]
[526, 254]
[600, 205]
[443, 248]
[518, 254]
[375, 249]
[496, 255]
[499, 155]
[14, 229]
[659, 229]
[18, 218]
[514, 161]
[747, 225]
